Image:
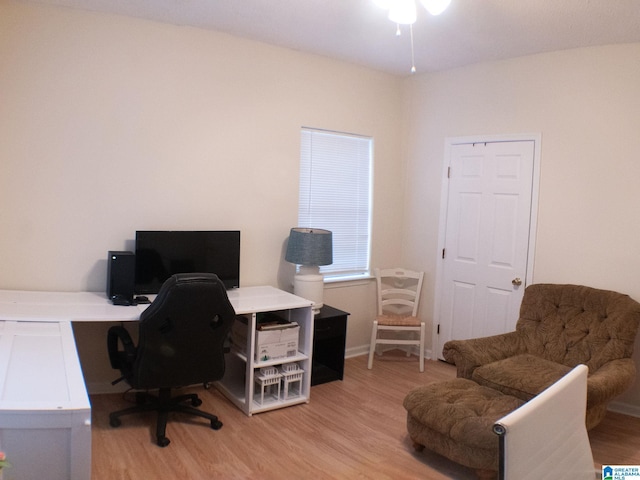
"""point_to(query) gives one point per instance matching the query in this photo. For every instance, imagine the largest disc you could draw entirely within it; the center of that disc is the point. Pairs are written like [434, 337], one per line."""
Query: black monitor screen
[160, 254]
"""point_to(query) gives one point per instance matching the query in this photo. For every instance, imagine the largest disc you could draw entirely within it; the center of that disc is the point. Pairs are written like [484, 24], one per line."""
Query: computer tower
[121, 276]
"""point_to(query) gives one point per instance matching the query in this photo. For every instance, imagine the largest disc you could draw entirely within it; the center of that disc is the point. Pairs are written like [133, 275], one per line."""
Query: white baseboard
[625, 409]
[364, 350]
[356, 351]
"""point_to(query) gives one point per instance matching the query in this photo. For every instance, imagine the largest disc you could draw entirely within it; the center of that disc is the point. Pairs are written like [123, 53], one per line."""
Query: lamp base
[309, 283]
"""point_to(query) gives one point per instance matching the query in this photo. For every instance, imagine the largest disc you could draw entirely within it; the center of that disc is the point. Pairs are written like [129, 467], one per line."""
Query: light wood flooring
[350, 429]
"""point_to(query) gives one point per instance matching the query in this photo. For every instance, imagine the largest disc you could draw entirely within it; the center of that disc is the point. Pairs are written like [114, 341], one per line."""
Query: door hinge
[448, 172]
[438, 330]
[443, 252]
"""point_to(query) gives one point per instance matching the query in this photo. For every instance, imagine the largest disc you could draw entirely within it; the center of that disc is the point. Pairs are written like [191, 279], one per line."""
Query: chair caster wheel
[114, 422]
[141, 398]
[163, 441]
[196, 402]
[216, 424]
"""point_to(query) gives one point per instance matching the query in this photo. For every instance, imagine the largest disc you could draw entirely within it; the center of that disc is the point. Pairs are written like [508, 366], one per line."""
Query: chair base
[375, 341]
[163, 403]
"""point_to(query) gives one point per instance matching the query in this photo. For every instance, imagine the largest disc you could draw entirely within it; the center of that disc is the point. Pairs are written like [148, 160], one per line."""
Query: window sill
[347, 280]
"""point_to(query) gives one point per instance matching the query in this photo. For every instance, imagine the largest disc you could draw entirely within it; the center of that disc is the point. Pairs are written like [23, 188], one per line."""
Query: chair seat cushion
[392, 320]
[522, 376]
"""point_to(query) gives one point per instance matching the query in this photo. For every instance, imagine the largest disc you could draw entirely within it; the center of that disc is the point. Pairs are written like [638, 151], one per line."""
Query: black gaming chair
[181, 342]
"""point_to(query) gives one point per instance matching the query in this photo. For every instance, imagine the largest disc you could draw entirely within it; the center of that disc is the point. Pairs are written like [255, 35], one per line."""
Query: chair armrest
[115, 357]
[467, 355]
[610, 380]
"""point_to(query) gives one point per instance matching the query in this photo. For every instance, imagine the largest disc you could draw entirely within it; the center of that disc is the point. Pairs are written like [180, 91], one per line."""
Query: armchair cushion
[522, 376]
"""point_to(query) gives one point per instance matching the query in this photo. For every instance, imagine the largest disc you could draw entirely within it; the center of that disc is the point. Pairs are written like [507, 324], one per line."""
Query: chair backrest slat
[398, 287]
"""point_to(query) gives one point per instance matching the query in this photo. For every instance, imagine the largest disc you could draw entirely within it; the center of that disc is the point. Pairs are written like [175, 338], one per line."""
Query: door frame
[536, 138]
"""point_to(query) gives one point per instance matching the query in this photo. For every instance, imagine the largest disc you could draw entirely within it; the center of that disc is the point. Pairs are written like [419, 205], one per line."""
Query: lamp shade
[310, 246]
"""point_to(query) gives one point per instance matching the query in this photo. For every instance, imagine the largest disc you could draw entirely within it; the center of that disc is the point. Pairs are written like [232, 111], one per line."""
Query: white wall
[110, 125]
[586, 105]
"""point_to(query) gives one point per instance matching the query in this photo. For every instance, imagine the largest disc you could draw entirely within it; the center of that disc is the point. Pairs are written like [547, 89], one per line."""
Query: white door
[487, 239]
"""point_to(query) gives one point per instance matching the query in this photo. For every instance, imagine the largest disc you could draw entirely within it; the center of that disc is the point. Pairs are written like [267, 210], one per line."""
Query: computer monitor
[160, 254]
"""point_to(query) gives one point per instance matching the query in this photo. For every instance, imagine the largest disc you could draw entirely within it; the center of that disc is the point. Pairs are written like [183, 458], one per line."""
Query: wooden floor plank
[351, 429]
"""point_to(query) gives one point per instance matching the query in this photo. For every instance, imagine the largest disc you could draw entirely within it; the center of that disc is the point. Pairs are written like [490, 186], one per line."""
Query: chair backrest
[182, 333]
[572, 324]
[547, 435]
[398, 290]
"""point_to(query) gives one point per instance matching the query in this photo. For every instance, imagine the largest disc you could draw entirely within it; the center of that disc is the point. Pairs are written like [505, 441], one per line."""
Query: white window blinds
[335, 194]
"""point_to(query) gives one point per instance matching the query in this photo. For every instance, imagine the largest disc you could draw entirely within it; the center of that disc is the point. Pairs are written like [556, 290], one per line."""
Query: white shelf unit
[238, 383]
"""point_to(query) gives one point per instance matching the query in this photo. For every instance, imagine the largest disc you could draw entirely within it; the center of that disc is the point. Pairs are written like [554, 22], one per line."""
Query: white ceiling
[357, 31]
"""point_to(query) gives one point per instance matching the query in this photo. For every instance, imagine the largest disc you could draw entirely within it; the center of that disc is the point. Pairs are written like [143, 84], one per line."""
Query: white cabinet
[244, 383]
[45, 414]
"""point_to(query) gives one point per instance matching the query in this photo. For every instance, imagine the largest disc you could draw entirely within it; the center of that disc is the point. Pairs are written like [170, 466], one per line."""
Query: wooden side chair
[398, 299]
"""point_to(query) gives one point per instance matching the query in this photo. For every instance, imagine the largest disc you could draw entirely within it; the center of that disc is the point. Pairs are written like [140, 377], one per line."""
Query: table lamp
[310, 248]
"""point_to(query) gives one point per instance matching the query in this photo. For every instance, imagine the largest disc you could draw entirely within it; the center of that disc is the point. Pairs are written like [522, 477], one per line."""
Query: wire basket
[269, 381]
[292, 379]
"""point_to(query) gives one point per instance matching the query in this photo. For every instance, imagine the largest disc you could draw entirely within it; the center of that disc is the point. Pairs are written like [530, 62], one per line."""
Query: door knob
[516, 281]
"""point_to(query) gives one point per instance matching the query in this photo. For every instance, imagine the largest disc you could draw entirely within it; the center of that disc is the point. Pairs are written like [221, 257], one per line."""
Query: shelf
[279, 361]
[269, 363]
[239, 382]
[297, 400]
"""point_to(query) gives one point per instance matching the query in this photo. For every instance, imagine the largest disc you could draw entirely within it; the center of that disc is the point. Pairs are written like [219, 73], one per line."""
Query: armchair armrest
[467, 355]
[609, 381]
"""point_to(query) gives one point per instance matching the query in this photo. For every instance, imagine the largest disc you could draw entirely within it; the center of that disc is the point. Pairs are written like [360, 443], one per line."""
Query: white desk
[95, 307]
[45, 414]
[63, 306]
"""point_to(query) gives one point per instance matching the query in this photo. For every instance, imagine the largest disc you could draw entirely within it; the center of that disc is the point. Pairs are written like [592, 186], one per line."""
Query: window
[335, 194]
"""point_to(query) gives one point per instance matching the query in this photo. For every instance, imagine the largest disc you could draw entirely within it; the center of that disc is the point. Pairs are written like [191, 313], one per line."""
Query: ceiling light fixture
[403, 12]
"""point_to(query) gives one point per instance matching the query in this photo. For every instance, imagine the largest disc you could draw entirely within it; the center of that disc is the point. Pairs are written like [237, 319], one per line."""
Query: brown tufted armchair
[560, 326]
